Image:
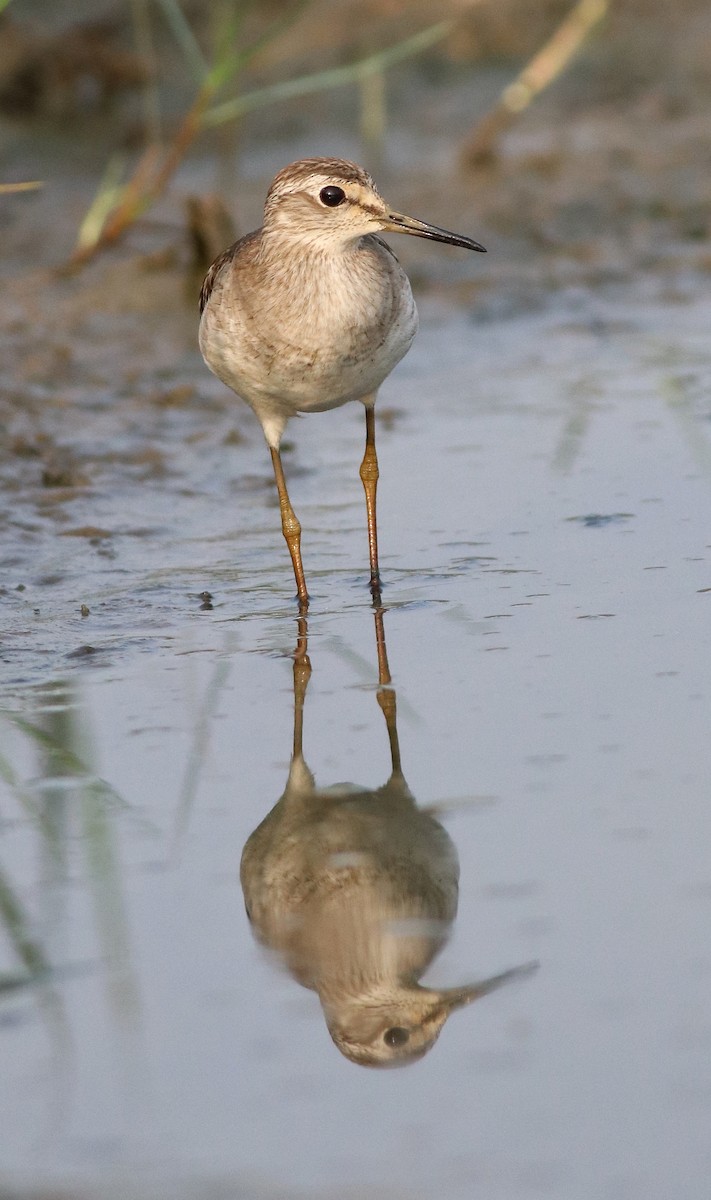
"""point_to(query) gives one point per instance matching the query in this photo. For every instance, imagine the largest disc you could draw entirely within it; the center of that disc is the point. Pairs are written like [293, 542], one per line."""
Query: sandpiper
[313, 310]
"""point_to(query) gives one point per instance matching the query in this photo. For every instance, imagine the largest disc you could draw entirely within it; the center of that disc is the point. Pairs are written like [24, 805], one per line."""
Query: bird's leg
[369, 475]
[291, 529]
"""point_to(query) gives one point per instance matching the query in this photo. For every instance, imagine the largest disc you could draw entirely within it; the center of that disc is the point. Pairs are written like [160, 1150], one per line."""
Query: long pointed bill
[397, 223]
[458, 997]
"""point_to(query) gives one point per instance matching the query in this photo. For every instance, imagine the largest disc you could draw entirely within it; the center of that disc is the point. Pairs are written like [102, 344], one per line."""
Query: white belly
[310, 377]
[292, 352]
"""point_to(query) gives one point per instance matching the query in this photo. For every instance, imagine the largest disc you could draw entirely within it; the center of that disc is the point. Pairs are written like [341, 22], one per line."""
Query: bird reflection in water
[356, 890]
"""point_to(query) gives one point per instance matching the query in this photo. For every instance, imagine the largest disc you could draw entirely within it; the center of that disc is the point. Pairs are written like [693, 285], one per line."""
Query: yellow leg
[291, 529]
[369, 475]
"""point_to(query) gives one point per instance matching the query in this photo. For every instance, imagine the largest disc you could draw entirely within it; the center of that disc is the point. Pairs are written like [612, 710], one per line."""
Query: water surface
[544, 515]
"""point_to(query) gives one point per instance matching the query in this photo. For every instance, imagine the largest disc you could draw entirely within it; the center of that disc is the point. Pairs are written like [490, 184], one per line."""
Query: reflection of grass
[65, 792]
[676, 392]
[63, 759]
[16, 923]
[14, 919]
[584, 397]
[198, 749]
[22, 795]
[36, 972]
[678, 385]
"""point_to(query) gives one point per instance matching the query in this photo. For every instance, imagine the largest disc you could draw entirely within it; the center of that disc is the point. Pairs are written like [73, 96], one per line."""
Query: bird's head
[332, 202]
[398, 1027]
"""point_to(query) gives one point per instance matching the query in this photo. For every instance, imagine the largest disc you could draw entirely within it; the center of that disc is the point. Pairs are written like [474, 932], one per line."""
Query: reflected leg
[302, 674]
[386, 693]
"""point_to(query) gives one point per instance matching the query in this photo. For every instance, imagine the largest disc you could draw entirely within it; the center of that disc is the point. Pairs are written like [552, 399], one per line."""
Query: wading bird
[313, 310]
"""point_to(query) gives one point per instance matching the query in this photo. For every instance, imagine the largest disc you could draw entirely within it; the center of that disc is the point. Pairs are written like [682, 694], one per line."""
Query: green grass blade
[320, 81]
[179, 26]
[108, 193]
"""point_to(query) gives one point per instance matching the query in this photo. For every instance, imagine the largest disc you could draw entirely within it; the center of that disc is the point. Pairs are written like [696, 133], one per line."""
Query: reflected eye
[396, 1036]
[332, 196]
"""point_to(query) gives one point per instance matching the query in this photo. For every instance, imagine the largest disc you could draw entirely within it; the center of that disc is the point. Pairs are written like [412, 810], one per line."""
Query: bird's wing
[373, 237]
[220, 263]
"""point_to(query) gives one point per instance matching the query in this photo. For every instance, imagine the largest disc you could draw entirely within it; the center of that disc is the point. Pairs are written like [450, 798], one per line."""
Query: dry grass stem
[541, 71]
[8, 189]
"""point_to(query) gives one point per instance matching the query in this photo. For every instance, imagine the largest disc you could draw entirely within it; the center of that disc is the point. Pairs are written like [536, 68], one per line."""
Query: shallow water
[544, 519]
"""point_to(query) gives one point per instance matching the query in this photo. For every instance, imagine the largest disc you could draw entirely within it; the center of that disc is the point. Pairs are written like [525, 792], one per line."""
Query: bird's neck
[281, 243]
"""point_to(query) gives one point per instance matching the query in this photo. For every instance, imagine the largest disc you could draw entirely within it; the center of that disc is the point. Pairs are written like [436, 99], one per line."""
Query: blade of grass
[7, 189]
[138, 195]
[545, 66]
[229, 63]
[179, 26]
[143, 38]
[107, 194]
[373, 117]
[319, 81]
[145, 185]
[198, 751]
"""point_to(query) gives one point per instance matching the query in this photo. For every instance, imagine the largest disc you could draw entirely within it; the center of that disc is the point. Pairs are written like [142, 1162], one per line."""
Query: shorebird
[356, 890]
[314, 310]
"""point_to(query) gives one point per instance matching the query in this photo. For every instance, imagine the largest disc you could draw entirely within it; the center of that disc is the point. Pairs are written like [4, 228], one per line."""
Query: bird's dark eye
[396, 1036]
[332, 196]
